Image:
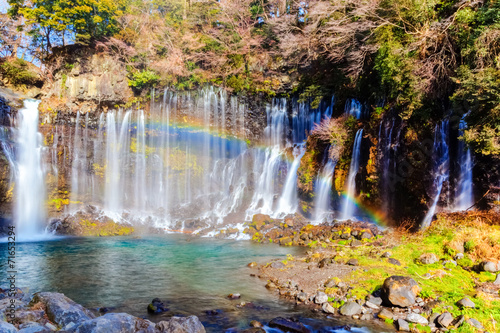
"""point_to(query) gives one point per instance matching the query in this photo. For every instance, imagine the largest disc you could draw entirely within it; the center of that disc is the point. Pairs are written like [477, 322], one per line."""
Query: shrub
[18, 72]
[143, 79]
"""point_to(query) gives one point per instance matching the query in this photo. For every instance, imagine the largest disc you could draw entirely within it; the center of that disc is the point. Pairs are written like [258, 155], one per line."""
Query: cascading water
[29, 210]
[323, 188]
[288, 201]
[464, 198]
[354, 108]
[348, 206]
[441, 167]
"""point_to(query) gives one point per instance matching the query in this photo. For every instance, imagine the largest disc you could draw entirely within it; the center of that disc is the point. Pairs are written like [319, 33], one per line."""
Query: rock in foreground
[400, 291]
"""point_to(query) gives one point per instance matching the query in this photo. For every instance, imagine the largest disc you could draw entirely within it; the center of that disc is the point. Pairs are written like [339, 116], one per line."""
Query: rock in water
[114, 322]
[189, 324]
[417, 319]
[350, 309]
[400, 291]
[62, 310]
[466, 303]
[288, 325]
[445, 319]
[7, 328]
[428, 258]
[327, 308]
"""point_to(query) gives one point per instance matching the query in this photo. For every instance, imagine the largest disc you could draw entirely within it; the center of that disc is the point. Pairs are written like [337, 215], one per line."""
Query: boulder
[114, 322]
[385, 314]
[62, 310]
[288, 325]
[350, 309]
[353, 262]
[157, 306]
[466, 303]
[366, 235]
[260, 220]
[302, 297]
[403, 325]
[428, 258]
[417, 319]
[189, 324]
[374, 300]
[32, 327]
[445, 319]
[488, 266]
[327, 308]
[320, 298]
[400, 291]
[5, 327]
[475, 323]
[394, 261]
[370, 305]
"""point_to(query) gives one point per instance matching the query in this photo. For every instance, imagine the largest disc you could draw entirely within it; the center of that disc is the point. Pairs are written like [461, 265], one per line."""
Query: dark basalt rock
[288, 325]
[157, 306]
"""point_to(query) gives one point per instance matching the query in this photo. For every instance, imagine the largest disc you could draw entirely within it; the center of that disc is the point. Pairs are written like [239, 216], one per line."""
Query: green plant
[18, 72]
[143, 79]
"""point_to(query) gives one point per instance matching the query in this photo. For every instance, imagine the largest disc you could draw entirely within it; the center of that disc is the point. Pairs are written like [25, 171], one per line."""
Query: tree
[54, 21]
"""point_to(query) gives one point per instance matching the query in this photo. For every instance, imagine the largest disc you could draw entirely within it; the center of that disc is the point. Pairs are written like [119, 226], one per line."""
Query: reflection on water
[125, 274]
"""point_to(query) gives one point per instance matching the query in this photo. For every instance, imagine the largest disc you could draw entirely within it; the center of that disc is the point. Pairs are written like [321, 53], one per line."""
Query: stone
[451, 262]
[114, 322]
[350, 309]
[32, 327]
[62, 310]
[466, 303]
[475, 323]
[374, 300]
[367, 316]
[428, 258]
[385, 314]
[302, 297]
[432, 318]
[366, 235]
[417, 319]
[255, 323]
[5, 327]
[400, 291]
[52, 327]
[320, 298]
[458, 256]
[324, 262]
[488, 266]
[386, 255]
[458, 321]
[234, 296]
[394, 261]
[288, 325]
[157, 306]
[252, 264]
[356, 242]
[277, 265]
[327, 308]
[254, 330]
[403, 325]
[445, 319]
[497, 280]
[370, 305]
[189, 324]
[353, 262]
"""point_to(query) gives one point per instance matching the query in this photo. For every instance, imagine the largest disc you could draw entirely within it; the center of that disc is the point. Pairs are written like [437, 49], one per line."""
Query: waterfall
[348, 207]
[441, 167]
[354, 108]
[463, 195]
[29, 210]
[323, 187]
[289, 201]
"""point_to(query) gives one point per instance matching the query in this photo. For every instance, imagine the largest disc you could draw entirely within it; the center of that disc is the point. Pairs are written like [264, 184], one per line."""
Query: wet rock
[385, 314]
[488, 266]
[189, 324]
[417, 319]
[255, 323]
[288, 325]
[428, 258]
[402, 325]
[234, 296]
[157, 306]
[353, 262]
[7, 328]
[252, 264]
[114, 322]
[466, 303]
[320, 298]
[497, 280]
[62, 310]
[350, 309]
[327, 308]
[474, 323]
[367, 316]
[394, 261]
[400, 291]
[445, 319]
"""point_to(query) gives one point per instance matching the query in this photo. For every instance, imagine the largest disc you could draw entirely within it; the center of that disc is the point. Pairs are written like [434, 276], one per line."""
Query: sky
[3, 6]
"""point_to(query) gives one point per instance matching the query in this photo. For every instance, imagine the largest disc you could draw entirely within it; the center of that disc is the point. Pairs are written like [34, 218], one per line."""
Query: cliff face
[89, 82]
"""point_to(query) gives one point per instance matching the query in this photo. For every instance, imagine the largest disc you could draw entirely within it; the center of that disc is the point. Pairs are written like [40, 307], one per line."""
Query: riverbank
[443, 278]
